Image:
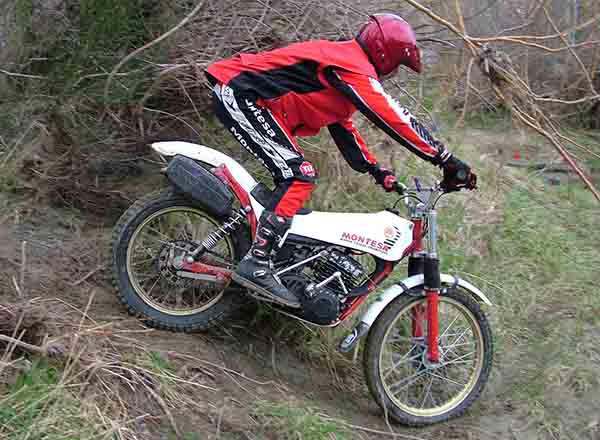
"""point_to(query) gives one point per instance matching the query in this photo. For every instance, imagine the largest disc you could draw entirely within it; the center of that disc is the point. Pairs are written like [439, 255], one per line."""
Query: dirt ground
[69, 260]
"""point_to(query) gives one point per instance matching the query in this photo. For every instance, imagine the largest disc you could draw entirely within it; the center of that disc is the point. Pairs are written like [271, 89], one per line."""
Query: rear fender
[207, 155]
[200, 186]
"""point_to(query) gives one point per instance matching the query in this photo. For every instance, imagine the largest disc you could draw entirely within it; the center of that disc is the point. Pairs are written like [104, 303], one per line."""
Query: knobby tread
[122, 231]
[373, 347]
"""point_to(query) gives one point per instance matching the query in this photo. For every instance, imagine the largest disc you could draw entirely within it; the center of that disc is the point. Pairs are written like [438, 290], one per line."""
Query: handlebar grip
[400, 188]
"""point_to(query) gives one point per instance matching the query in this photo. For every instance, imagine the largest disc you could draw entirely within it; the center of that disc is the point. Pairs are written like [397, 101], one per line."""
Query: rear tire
[222, 307]
[409, 368]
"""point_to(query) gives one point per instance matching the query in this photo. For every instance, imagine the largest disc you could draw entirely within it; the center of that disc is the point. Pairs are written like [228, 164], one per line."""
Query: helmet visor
[414, 59]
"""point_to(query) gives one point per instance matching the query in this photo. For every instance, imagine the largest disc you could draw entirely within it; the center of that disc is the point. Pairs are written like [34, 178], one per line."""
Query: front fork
[432, 292]
[427, 263]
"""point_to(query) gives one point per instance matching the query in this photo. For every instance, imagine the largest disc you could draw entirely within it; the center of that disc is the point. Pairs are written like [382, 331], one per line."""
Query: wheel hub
[431, 365]
[170, 260]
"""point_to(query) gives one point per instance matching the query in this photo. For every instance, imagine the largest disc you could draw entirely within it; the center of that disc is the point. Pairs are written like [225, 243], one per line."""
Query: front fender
[400, 288]
[391, 293]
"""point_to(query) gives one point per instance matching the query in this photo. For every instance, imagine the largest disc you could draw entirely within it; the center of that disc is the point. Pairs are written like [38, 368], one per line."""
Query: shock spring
[215, 237]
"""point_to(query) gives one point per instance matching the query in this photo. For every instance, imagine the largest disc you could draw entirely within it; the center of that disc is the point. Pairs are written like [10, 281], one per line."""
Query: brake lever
[417, 184]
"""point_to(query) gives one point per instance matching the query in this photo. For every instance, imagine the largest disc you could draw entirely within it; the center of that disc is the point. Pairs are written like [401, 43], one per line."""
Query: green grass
[75, 57]
[542, 275]
[23, 14]
[104, 31]
[538, 262]
[305, 423]
[488, 119]
[37, 407]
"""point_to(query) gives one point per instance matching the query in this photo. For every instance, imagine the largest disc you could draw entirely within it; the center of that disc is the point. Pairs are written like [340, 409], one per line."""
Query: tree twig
[20, 75]
[171, 31]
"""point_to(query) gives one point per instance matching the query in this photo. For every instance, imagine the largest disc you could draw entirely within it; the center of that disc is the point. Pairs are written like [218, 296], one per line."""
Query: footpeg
[350, 341]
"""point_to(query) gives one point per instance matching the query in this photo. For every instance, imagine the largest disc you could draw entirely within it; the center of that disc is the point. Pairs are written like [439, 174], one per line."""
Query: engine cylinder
[335, 261]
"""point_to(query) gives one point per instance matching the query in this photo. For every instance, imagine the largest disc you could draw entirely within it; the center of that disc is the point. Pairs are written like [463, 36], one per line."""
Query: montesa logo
[364, 241]
[389, 232]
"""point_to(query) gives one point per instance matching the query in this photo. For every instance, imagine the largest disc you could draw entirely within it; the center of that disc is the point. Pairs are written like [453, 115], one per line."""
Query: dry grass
[103, 382]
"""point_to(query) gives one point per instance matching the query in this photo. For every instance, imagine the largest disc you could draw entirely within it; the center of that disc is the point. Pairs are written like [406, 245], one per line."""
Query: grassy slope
[535, 249]
[532, 248]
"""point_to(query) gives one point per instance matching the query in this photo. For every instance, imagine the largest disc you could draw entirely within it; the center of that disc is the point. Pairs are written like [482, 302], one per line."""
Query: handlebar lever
[417, 183]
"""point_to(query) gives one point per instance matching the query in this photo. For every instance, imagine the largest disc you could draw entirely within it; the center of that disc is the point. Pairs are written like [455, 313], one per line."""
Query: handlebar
[403, 190]
[419, 196]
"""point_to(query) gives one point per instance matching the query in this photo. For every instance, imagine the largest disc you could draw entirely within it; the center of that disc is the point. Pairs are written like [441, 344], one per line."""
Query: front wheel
[147, 237]
[410, 388]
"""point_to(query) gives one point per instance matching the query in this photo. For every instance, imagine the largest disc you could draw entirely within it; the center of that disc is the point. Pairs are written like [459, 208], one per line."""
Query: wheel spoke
[462, 385]
[448, 328]
[149, 276]
[403, 360]
[407, 381]
[184, 230]
[153, 285]
[452, 361]
[163, 237]
[167, 243]
[453, 345]
[149, 252]
[139, 263]
[398, 337]
[427, 392]
[450, 348]
[421, 388]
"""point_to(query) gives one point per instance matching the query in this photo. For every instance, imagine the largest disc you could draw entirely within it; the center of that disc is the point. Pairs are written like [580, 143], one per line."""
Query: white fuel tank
[382, 234]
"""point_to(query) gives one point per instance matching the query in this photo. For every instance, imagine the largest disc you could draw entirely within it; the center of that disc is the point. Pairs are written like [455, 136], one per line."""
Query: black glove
[457, 175]
[383, 177]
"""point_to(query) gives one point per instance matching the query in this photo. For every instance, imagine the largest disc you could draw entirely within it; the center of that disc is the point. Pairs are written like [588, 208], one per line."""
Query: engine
[321, 304]
[351, 270]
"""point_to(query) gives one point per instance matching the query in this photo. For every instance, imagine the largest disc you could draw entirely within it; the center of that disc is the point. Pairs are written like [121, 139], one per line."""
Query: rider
[268, 98]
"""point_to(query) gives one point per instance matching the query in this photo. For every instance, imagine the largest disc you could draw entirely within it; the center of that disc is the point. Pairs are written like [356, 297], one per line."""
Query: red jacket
[315, 84]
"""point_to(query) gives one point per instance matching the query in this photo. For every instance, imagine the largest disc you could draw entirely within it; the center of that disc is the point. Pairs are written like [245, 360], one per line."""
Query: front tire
[404, 383]
[161, 299]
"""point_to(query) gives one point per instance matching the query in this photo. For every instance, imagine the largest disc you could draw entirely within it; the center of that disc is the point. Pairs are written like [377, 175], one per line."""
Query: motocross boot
[255, 270]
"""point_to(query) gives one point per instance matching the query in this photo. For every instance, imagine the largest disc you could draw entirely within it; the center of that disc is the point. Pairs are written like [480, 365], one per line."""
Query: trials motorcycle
[428, 347]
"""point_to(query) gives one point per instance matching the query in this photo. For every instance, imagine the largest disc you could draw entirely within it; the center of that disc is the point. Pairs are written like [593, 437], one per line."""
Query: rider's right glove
[383, 177]
[457, 175]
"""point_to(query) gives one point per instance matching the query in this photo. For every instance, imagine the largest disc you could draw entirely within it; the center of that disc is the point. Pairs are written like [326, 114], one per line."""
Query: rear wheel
[403, 381]
[148, 236]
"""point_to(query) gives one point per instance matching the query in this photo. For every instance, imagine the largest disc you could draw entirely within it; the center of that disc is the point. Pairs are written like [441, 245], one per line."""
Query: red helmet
[389, 41]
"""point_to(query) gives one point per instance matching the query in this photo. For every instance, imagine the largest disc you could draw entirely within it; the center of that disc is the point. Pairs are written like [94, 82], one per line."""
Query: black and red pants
[263, 135]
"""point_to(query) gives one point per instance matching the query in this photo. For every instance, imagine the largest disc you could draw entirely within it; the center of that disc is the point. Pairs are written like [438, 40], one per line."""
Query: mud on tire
[229, 303]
